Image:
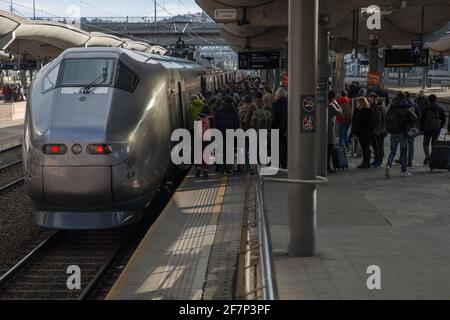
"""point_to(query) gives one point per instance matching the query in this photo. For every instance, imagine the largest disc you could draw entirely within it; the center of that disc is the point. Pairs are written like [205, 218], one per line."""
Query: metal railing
[268, 277]
[269, 287]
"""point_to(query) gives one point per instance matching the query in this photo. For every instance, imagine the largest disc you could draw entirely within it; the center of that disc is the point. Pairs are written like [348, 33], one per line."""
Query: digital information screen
[398, 58]
[259, 60]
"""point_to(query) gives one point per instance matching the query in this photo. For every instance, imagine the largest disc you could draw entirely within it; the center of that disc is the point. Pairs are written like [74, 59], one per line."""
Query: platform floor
[401, 224]
[11, 134]
[191, 251]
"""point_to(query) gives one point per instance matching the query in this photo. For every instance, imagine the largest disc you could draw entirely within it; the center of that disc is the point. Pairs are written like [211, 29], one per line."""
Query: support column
[373, 67]
[303, 21]
[323, 73]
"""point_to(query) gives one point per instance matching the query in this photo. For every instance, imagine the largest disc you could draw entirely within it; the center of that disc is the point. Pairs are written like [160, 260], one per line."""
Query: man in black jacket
[398, 119]
[432, 122]
[280, 111]
[226, 118]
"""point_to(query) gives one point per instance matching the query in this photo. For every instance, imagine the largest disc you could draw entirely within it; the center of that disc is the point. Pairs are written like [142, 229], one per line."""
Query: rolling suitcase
[440, 155]
[340, 161]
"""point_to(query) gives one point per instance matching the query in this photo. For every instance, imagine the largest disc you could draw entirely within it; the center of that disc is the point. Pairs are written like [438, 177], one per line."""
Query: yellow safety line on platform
[112, 294]
[219, 201]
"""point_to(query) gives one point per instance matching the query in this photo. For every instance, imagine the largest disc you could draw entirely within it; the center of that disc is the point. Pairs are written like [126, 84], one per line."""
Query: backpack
[261, 119]
[347, 111]
[244, 118]
[432, 121]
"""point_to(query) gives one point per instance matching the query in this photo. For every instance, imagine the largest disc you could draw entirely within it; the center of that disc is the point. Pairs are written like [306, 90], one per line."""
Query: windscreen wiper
[93, 83]
[96, 80]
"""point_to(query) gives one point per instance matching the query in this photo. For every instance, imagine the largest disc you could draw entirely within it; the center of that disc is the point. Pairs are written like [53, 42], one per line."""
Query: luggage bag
[440, 155]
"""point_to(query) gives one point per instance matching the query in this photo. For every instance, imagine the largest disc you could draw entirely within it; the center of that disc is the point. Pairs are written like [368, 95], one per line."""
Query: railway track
[11, 169]
[44, 273]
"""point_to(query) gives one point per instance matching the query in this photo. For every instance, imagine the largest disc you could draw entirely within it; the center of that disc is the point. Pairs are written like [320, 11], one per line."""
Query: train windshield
[83, 72]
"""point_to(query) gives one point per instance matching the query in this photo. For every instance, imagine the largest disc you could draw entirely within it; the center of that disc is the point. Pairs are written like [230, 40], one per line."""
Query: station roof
[44, 39]
[263, 24]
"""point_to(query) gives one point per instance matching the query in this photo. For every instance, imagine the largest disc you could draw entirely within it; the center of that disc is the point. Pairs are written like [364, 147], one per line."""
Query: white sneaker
[406, 174]
[387, 172]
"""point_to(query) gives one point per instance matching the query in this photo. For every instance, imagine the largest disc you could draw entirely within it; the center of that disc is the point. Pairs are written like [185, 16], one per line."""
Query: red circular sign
[308, 104]
[308, 123]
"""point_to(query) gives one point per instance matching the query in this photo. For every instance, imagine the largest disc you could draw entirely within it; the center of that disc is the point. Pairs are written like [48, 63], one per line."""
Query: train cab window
[50, 79]
[82, 72]
[126, 78]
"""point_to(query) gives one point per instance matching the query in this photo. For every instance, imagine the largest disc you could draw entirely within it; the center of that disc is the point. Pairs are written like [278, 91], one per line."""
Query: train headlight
[54, 149]
[76, 148]
[99, 149]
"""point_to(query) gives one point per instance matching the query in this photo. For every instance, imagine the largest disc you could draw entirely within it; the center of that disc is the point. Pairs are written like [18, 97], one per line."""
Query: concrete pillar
[340, 73]
[303, 24]
[323, 73]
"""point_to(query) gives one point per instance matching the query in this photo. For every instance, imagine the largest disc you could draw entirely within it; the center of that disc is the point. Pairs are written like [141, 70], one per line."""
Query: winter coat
[226, 118]
[193, 110]
[378, 125]
[362, 122]
[398, 117]
[245, 115]
[279, 110]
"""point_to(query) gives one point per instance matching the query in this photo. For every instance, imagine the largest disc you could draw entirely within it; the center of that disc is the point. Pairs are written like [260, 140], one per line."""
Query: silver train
[97, 133]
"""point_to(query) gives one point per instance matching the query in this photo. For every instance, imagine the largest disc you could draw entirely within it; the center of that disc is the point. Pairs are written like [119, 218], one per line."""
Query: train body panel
[95, 156]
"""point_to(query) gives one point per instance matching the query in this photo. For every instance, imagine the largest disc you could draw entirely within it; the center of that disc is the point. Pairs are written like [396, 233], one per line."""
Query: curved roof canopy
[44, 39]
[263, 24]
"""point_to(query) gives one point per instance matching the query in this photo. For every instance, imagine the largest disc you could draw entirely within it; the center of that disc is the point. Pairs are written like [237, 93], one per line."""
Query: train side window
[126, 79]
[50, 79]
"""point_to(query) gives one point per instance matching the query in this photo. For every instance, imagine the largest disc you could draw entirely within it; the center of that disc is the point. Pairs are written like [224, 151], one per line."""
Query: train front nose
[77, 186]
[76, 158]
[76, 175]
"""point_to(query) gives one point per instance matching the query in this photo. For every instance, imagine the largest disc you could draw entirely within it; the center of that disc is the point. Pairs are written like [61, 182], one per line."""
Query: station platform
[192, 249]
[442, 95]
[400, 224]
[11, 134]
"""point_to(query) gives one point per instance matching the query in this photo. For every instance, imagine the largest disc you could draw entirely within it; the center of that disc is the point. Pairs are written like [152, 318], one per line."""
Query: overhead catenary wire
[84, 23]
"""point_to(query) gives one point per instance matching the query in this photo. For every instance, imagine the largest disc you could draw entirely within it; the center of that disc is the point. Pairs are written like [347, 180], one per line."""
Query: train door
[181, 104]
[203, 85]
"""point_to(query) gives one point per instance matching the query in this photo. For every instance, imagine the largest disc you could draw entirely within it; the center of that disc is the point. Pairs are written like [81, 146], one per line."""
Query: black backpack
[432, 120]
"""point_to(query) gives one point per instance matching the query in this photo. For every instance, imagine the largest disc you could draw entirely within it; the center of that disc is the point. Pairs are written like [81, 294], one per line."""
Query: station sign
[374, 81]
[404, 58]
[225, 15]
[259, 60]
[416, 47]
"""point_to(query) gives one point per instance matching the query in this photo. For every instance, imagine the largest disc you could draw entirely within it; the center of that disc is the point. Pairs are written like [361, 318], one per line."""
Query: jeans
[344, 139]
[429, 136]
[402, 140]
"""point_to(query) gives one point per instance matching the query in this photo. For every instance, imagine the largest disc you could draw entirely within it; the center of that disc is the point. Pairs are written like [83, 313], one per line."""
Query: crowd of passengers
[355, 117]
